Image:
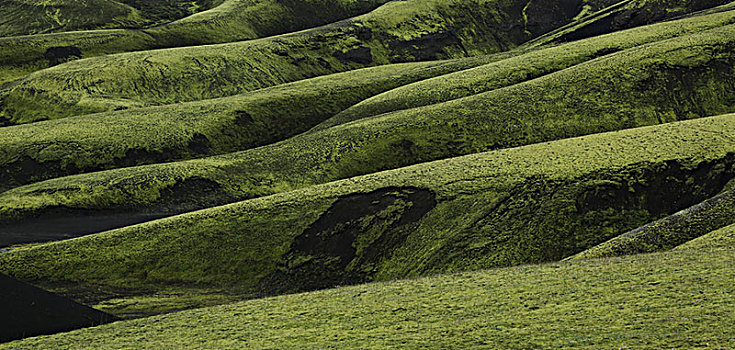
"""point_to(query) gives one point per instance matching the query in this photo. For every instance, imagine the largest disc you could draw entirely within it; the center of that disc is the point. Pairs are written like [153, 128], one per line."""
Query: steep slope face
[627, 89]
[521, 68]
[523, 205]
[29, 311]
[669, 232]
[396, 32]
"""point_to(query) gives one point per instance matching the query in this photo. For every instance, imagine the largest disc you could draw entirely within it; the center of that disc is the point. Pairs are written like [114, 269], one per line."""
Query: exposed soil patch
[29, 311]
[344, 245]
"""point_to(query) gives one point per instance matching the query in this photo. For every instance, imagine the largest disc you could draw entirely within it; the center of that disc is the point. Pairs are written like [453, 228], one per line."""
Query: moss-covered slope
[232, 20]
[25, 17]
[48, 149]
[535, 203]
[677, 299]
[179, 131]
[628, 14]
[395, 32]
[522, 67]
[626, 89]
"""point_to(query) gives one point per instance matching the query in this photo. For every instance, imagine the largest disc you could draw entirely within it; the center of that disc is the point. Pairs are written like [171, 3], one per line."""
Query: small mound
[29, 311]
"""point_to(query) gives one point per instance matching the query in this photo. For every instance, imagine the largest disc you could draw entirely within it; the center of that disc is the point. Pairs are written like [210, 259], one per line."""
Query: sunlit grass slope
[680, 299]
[626, 89]
[531, 204]
[395, 32]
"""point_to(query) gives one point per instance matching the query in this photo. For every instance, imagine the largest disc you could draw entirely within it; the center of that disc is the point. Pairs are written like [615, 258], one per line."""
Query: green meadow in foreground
[530, 204]
[680, 299]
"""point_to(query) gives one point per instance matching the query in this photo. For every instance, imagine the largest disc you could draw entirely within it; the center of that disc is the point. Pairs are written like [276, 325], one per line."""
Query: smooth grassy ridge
[522, 67]
[628, 14]
[670, 232]
[398, 31]
[165, 133]
[530, 204]
[680, 299]
[232, 20]
[49, 149]
[626, 89]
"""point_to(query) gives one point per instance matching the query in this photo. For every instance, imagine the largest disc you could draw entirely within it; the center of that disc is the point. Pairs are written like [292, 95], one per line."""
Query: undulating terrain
[367, 174]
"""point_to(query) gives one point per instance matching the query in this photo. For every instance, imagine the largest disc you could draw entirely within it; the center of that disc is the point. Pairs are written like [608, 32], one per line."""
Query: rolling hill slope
[626, 89]
[680, 299]
[162, 156]
[531, 204]
[398, 31]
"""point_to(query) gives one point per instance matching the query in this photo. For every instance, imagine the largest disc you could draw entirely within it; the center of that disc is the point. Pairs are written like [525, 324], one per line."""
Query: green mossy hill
[399, 31]
[48, 149]
[530, 204]
[233, 20]
[628, 14]
[174, 132]
[679, 299]
[622, 90]
[29, 17]
[25, 17]
[723, 238]
[669, 232]
[521, 68]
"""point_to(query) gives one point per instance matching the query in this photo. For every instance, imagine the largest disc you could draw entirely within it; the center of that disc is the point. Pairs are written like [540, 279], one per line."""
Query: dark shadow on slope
[64, 223]
[347, 242]
[671, 231]
[29, 311]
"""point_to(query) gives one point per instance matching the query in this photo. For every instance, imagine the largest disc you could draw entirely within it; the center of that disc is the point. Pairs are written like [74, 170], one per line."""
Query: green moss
[627, 89]
[676, 299]
[194, 73]
[530, 204]
[670, 232]
[521, 67]
[180, 131]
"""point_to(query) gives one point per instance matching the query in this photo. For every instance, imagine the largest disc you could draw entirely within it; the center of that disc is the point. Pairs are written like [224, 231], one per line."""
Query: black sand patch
[29, 311]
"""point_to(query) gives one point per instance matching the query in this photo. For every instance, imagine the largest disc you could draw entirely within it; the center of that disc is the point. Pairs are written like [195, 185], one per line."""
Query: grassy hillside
[24, 17]
[522, 67]
[626, 89]
[628, 14]
[27, 17]
[398, 31]
[678, 299]
[499, 208]
[232, 20]
[167, 133]
[180, 131]
[669, 232]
